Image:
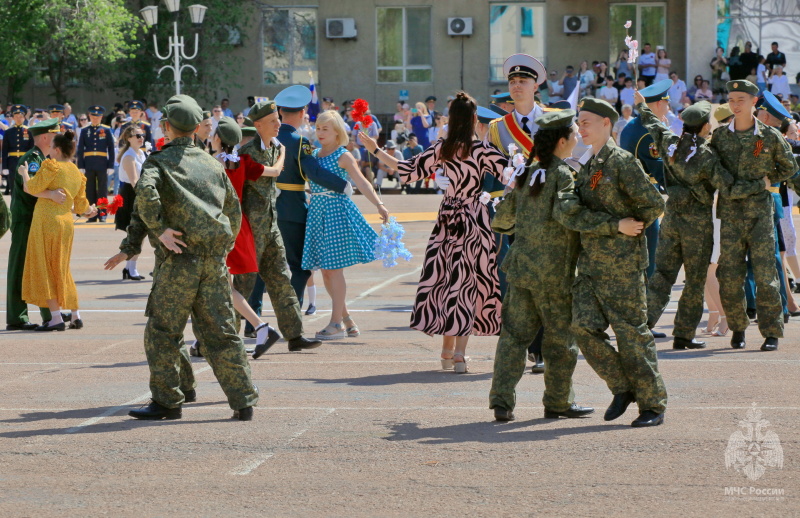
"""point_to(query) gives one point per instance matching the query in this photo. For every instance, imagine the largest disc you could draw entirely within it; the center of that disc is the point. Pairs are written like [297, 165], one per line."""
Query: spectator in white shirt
[216, 115]
[647, 65]
[762, 74]
[627, 115]
[627, 94]
[677, 92]
[586, 77]
[608, 92]
[554, 88]
[779, 83]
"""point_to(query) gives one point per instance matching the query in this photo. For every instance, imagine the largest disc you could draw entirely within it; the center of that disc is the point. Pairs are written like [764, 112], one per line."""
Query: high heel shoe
[126, 274]
[709, 327]
[460, 366]
[717, 331]
[447, 363]
[350, 327]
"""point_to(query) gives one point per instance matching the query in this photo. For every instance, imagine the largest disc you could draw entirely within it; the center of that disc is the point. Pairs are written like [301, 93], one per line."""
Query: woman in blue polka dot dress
[337, 235]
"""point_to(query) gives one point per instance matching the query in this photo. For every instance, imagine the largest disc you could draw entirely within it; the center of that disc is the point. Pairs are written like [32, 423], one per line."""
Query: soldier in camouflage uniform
[185, 198]
[610, 287]
[692, 172]
[540, 213]
[750, 150]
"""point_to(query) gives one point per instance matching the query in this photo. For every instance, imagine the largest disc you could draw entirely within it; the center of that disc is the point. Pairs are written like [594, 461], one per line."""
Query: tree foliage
[20, 24]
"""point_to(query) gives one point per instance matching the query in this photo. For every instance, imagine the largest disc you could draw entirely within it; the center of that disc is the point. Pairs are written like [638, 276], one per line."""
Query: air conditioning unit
[340, 28]
[459, 26]
[576, 24]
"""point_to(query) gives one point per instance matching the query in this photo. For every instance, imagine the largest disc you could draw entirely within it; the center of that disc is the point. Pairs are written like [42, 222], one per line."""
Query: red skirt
[242, 258]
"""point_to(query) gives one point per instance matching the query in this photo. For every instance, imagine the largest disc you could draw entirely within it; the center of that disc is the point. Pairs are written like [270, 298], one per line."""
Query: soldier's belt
[291, 186]
[16, 153]
[496, 194]
[776, 190]
[95, 153]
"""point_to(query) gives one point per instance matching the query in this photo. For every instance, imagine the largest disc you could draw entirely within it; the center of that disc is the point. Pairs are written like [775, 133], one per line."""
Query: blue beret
[656, 91]
[293, 98]
[774, 107]
[485, 115]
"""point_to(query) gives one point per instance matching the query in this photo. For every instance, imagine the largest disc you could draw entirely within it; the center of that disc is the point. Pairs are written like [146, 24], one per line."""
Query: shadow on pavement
[726, 352]
[426, 377]
[108, 427]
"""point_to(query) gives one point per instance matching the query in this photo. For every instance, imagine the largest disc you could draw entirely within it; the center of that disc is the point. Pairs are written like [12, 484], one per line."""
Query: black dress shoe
[619, 405]
[194, 350]
[648, 418]
[538, 364]
[46, 327]
[25, 326]
[501, 414]
[794, 313]
[657, 334]
[311, 309]
[786, 318]
[683, 343]
[770, 344]
[155, 411]
[78, 324]
[300, 343]
[572, 412]
[245, 414]
[272, 337]
[66, 317]
[751, 313]
[189, 396]
[737, 340]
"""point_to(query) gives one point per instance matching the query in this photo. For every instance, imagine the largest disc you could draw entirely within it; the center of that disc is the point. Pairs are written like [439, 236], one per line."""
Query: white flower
[512, 149]
[518, 160]
[628, 24]
[485, 197]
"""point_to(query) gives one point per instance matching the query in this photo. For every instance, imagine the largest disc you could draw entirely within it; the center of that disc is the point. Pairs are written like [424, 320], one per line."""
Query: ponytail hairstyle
[65, 142]
[461, 128]
[545, 142]
[228, 150]
[692, 132]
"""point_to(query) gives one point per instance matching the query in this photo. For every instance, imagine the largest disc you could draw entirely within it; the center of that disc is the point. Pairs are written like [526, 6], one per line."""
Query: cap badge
[516, 69]
[736, 85]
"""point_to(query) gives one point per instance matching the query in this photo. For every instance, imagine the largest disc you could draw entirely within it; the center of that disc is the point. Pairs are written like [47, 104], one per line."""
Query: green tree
[21, 22]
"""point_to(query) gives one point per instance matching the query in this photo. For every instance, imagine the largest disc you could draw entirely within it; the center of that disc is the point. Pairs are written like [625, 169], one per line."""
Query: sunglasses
[83, 119]
[217, 111]
[138, 135]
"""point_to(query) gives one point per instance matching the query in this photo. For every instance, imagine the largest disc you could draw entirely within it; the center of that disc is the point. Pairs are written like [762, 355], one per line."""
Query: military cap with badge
[657, 91]
[524, 65]
[598, 107]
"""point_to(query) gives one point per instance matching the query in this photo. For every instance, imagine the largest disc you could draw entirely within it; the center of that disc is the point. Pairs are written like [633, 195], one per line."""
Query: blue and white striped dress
[337, 235]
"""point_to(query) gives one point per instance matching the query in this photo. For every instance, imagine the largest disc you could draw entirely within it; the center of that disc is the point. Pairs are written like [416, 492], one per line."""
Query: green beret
[229, 132]
[249, 131]
[48, 126]
[742, 85]
[261, 109]
[248, 123]
[599, 107]
[183, 112]
[697, 114]
[556, 119]
[206, 114]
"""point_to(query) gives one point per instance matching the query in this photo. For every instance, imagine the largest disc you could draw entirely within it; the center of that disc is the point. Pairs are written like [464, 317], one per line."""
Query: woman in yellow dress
[47, 280]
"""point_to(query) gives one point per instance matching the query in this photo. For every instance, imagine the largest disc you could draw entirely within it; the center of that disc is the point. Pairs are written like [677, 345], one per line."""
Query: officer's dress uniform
[96, 157]
[16, 142]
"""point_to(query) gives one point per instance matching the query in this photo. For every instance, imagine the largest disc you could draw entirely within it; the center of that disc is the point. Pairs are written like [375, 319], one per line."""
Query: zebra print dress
[458, 292]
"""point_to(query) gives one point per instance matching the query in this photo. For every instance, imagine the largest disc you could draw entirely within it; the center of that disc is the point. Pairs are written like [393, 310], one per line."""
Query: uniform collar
[532, 116]
[602, 155]
[756, 129]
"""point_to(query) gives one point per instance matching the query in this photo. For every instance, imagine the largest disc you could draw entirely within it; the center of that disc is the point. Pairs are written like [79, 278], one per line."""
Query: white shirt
[609, 93]
[648, 59]
[532, 116]
[627, 96]
[676, 92]
[780, 85]
[761, 73]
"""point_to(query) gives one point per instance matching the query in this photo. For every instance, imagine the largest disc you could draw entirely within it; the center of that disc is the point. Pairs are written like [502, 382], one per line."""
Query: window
[290, 45]
[404, 45]
[514, 28]
[649, 26]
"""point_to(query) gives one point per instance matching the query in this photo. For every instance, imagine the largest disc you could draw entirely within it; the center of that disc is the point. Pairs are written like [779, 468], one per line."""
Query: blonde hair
[421, 109]
[334, 119]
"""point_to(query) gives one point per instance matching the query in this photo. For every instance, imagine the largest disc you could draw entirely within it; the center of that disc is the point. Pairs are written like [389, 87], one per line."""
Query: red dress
[242, 258]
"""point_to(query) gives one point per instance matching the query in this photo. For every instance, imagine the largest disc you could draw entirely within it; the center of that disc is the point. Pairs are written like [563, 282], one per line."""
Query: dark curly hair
[545, 142]
[66, 143]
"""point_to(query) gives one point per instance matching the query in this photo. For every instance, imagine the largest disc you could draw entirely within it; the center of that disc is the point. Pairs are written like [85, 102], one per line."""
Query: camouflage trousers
[686, 239]
[755, 236]
[188, 284]
[524, 312]
[618, 299]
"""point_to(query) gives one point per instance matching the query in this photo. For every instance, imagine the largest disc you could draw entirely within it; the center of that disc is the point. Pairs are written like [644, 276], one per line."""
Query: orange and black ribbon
[595, 179]
[759, 147]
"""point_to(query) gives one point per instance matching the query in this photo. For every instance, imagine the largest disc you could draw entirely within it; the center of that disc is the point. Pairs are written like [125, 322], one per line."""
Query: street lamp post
[176, 45]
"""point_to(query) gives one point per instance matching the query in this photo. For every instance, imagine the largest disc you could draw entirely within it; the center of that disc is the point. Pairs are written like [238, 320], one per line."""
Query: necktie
[525, 127]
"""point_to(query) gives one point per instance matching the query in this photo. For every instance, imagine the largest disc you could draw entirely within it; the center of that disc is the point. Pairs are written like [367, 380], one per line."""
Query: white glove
[5, 172]
[83, 171]
[109, 172]
[348, 190]
[442, 182]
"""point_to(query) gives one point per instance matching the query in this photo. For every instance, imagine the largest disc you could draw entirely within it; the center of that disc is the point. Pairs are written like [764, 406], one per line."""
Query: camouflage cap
[722, 112]
[598, 107]
[697, 114]
[183, 112]
[261, 109]
[229, 132]
[742, 85]
[556, 119]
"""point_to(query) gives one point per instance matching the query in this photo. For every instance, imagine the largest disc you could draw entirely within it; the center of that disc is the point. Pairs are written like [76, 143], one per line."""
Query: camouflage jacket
[760, 152]
[258, 197]
[615, 183]
[186, 189]
[545, 228]
[694, 170]
[136, 231]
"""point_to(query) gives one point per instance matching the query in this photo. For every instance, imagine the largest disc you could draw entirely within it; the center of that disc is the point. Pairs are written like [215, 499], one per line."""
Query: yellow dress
[47, 274]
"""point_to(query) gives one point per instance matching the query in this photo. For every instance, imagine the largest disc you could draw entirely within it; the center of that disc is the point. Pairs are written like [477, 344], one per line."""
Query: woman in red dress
[242, 259]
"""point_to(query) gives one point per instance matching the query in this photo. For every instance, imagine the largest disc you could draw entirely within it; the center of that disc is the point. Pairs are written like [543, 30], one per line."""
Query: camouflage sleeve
[505, 215]
[148, 198]
[633, 181]
[232, 210]
[721, 179]
[570, 212]
[5, 217]
[136, 232]
[785, 164]
[662, 135]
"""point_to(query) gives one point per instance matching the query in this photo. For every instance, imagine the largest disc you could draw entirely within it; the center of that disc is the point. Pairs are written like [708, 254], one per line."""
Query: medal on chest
[101, 133]
[24, 134]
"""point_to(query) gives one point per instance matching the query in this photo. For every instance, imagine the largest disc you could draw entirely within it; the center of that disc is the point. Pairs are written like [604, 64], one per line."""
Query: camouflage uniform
[5, 217]
[747, 224]
[687, 230]
[541, 260]
[610, 287]
[185, 189]
[258, 204]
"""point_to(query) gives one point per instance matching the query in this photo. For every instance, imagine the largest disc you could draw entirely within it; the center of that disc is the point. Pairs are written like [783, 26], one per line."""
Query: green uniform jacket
[691, 181]
[545, 227]
[22, 203]
[762, 152]
[5, 217]
[258, 198]
[186, 189]
[615, 183]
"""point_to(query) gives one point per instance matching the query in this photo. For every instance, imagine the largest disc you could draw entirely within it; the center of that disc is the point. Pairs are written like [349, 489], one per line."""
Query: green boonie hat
[599, 107]
[249, 131]
[697, 114]
[183, 112]
[48, 126]
[206, 114]
[742, 85]
[722, 112]
[556, 119]
[261, 109]
[229, 132]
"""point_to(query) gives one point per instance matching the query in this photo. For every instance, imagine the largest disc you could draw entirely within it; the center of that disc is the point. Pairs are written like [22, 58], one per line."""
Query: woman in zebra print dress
[458, 293]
